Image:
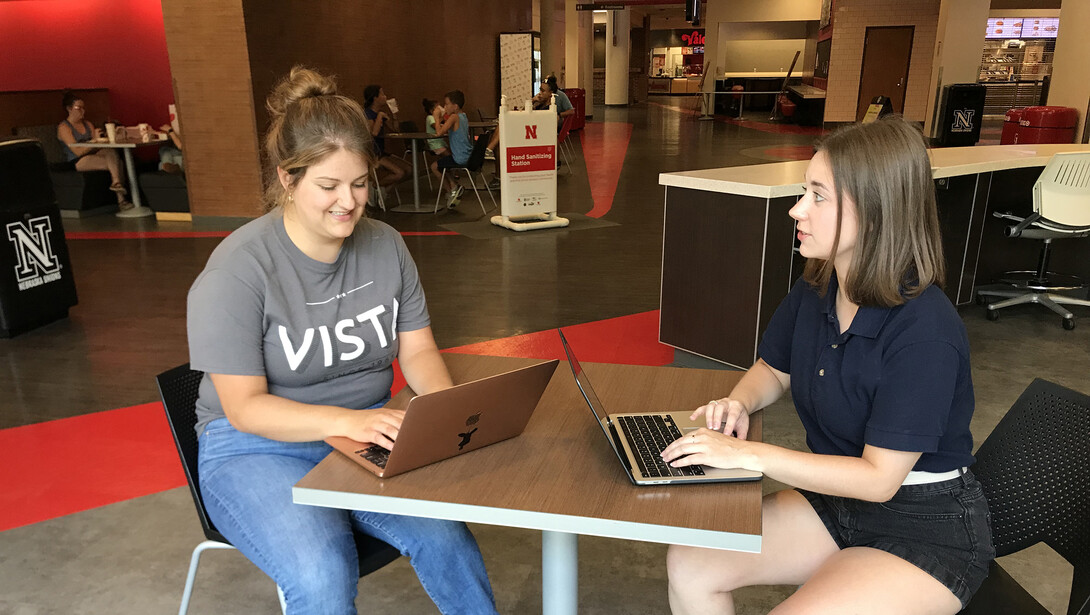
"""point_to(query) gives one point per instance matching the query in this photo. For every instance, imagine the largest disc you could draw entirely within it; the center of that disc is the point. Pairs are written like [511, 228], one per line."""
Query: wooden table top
[561, 473]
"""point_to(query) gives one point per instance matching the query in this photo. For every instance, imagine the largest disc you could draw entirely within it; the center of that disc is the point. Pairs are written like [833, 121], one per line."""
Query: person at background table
[76, 129]
[170, 154]
[295, 321]
[564, 108]
[883, 516]
[395, 170]
[433, 111]
[456, 126]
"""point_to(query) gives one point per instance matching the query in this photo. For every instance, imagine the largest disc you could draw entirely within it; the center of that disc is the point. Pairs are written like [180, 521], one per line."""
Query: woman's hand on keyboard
[725, 415]
[378, 426]
[711, 448]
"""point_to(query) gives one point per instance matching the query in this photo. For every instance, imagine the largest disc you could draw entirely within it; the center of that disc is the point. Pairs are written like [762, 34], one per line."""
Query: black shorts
[942, 528]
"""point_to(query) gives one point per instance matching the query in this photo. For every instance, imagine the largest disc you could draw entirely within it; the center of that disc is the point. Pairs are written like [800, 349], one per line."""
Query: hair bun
[299, 84]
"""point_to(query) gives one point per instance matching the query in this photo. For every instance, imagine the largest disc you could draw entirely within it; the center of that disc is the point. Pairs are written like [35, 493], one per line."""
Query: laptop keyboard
[376, 455]
[649, 435]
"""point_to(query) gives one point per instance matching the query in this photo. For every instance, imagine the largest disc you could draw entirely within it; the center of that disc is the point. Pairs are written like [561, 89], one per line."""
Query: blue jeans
[309, 551]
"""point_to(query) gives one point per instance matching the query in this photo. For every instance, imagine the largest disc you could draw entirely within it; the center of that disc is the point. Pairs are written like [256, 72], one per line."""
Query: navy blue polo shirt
[899, 378]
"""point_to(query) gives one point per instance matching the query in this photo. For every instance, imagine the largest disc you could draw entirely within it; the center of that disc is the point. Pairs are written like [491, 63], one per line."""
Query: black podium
[36, 283]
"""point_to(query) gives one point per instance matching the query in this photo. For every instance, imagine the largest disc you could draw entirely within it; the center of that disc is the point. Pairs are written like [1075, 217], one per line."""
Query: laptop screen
[584, 384]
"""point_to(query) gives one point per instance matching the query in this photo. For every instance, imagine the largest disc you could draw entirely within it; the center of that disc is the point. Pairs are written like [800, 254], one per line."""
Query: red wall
[115, 44]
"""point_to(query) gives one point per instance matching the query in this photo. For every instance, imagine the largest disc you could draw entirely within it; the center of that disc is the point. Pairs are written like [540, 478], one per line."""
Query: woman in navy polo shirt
[884, 516]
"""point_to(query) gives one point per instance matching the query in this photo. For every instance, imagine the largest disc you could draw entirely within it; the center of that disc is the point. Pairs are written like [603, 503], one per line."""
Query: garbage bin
[578, 98]
[736, 102]
[36, 283]
[1047, 125]
[962, 113]
[1010, 126]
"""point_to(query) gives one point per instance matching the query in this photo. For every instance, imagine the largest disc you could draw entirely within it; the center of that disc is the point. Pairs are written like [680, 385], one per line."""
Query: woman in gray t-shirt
[296, 321]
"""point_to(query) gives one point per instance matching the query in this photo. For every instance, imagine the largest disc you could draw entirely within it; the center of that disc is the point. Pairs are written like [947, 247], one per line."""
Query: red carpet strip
[69, 465]
[604, 147]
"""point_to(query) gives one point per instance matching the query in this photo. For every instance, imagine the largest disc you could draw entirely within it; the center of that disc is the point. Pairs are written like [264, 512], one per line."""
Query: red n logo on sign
[531, 132]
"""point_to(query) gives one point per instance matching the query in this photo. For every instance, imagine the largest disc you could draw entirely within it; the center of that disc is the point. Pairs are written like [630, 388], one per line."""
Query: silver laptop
[638, 439]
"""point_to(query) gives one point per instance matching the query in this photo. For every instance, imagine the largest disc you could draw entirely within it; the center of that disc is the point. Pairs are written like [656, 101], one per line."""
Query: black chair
[178, 389]
[1035, 470]
[473, 165]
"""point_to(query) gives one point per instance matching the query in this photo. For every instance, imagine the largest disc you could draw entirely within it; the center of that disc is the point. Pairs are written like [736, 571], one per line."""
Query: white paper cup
[392, 103]
[111, 132]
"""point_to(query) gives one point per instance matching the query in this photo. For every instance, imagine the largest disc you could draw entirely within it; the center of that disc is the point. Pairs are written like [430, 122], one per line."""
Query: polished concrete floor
[131, 556]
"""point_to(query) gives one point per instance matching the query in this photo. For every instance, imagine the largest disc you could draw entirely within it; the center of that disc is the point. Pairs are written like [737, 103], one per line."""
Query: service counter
[730, 254]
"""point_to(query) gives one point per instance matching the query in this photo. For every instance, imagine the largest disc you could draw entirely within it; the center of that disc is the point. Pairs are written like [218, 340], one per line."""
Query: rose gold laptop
[457, 420]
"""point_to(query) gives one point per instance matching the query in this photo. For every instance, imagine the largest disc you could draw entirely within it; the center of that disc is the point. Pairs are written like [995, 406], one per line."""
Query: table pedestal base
[136, 212]
[559, 573]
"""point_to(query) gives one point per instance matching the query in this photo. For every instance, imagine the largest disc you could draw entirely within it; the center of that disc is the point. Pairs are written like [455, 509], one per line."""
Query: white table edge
[549, 522]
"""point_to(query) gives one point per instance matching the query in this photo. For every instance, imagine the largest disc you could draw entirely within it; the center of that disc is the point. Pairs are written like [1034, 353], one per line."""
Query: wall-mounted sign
[676, 38]
[598, 6]
[696, 37]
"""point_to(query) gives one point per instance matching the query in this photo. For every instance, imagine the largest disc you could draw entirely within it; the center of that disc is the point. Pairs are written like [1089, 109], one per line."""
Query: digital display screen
[1040, 27]
[1004, 27]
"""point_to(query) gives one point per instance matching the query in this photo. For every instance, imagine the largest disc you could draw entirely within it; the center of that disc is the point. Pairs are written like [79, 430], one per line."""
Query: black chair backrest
[476, 157]
[178, 389]
[1035, 470]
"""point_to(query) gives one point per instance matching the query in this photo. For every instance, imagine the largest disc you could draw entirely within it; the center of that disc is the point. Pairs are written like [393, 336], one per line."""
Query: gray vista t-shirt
[320, 333]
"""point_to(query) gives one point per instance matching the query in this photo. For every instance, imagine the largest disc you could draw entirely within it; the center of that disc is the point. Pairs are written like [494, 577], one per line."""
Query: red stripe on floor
[65, 466]
[182, 234]
[60, 467]
[628, 340]
[604, 147]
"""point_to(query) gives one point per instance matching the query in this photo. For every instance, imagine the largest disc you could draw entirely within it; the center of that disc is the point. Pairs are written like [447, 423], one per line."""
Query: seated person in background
[395, 169]
[434, 112]
[170, 154]
[882, 515]
[456, 125]
[564, 108]
[268, 399]
[75, 129]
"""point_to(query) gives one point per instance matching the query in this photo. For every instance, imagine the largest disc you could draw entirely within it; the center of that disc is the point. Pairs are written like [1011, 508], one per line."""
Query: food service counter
[730, 254]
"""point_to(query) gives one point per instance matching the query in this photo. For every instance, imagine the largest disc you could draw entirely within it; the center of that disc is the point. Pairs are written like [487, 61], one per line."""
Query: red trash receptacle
[1010, 126]
[1047, 125]
[578, 98]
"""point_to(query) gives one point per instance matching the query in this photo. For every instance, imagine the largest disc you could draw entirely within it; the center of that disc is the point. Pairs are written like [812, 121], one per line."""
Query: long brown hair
[883, 167]
[309, 122]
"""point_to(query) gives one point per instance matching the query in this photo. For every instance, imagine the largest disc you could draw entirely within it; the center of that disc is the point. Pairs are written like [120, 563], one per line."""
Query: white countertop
[786, 178]
[807, 91]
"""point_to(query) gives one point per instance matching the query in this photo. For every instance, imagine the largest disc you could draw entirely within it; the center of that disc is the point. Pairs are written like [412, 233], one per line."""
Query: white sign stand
[527, 161]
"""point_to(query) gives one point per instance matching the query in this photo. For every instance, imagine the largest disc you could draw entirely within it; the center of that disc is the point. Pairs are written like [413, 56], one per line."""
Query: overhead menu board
[1004, 27]
[1023, 27]
[1040, 27]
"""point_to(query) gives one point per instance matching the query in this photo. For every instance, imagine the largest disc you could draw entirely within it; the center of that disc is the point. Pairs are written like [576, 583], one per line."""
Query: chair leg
[485, 182]
[195, 561]
[474, 184]
[427, 169]
[379, 198]
[439, 195]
